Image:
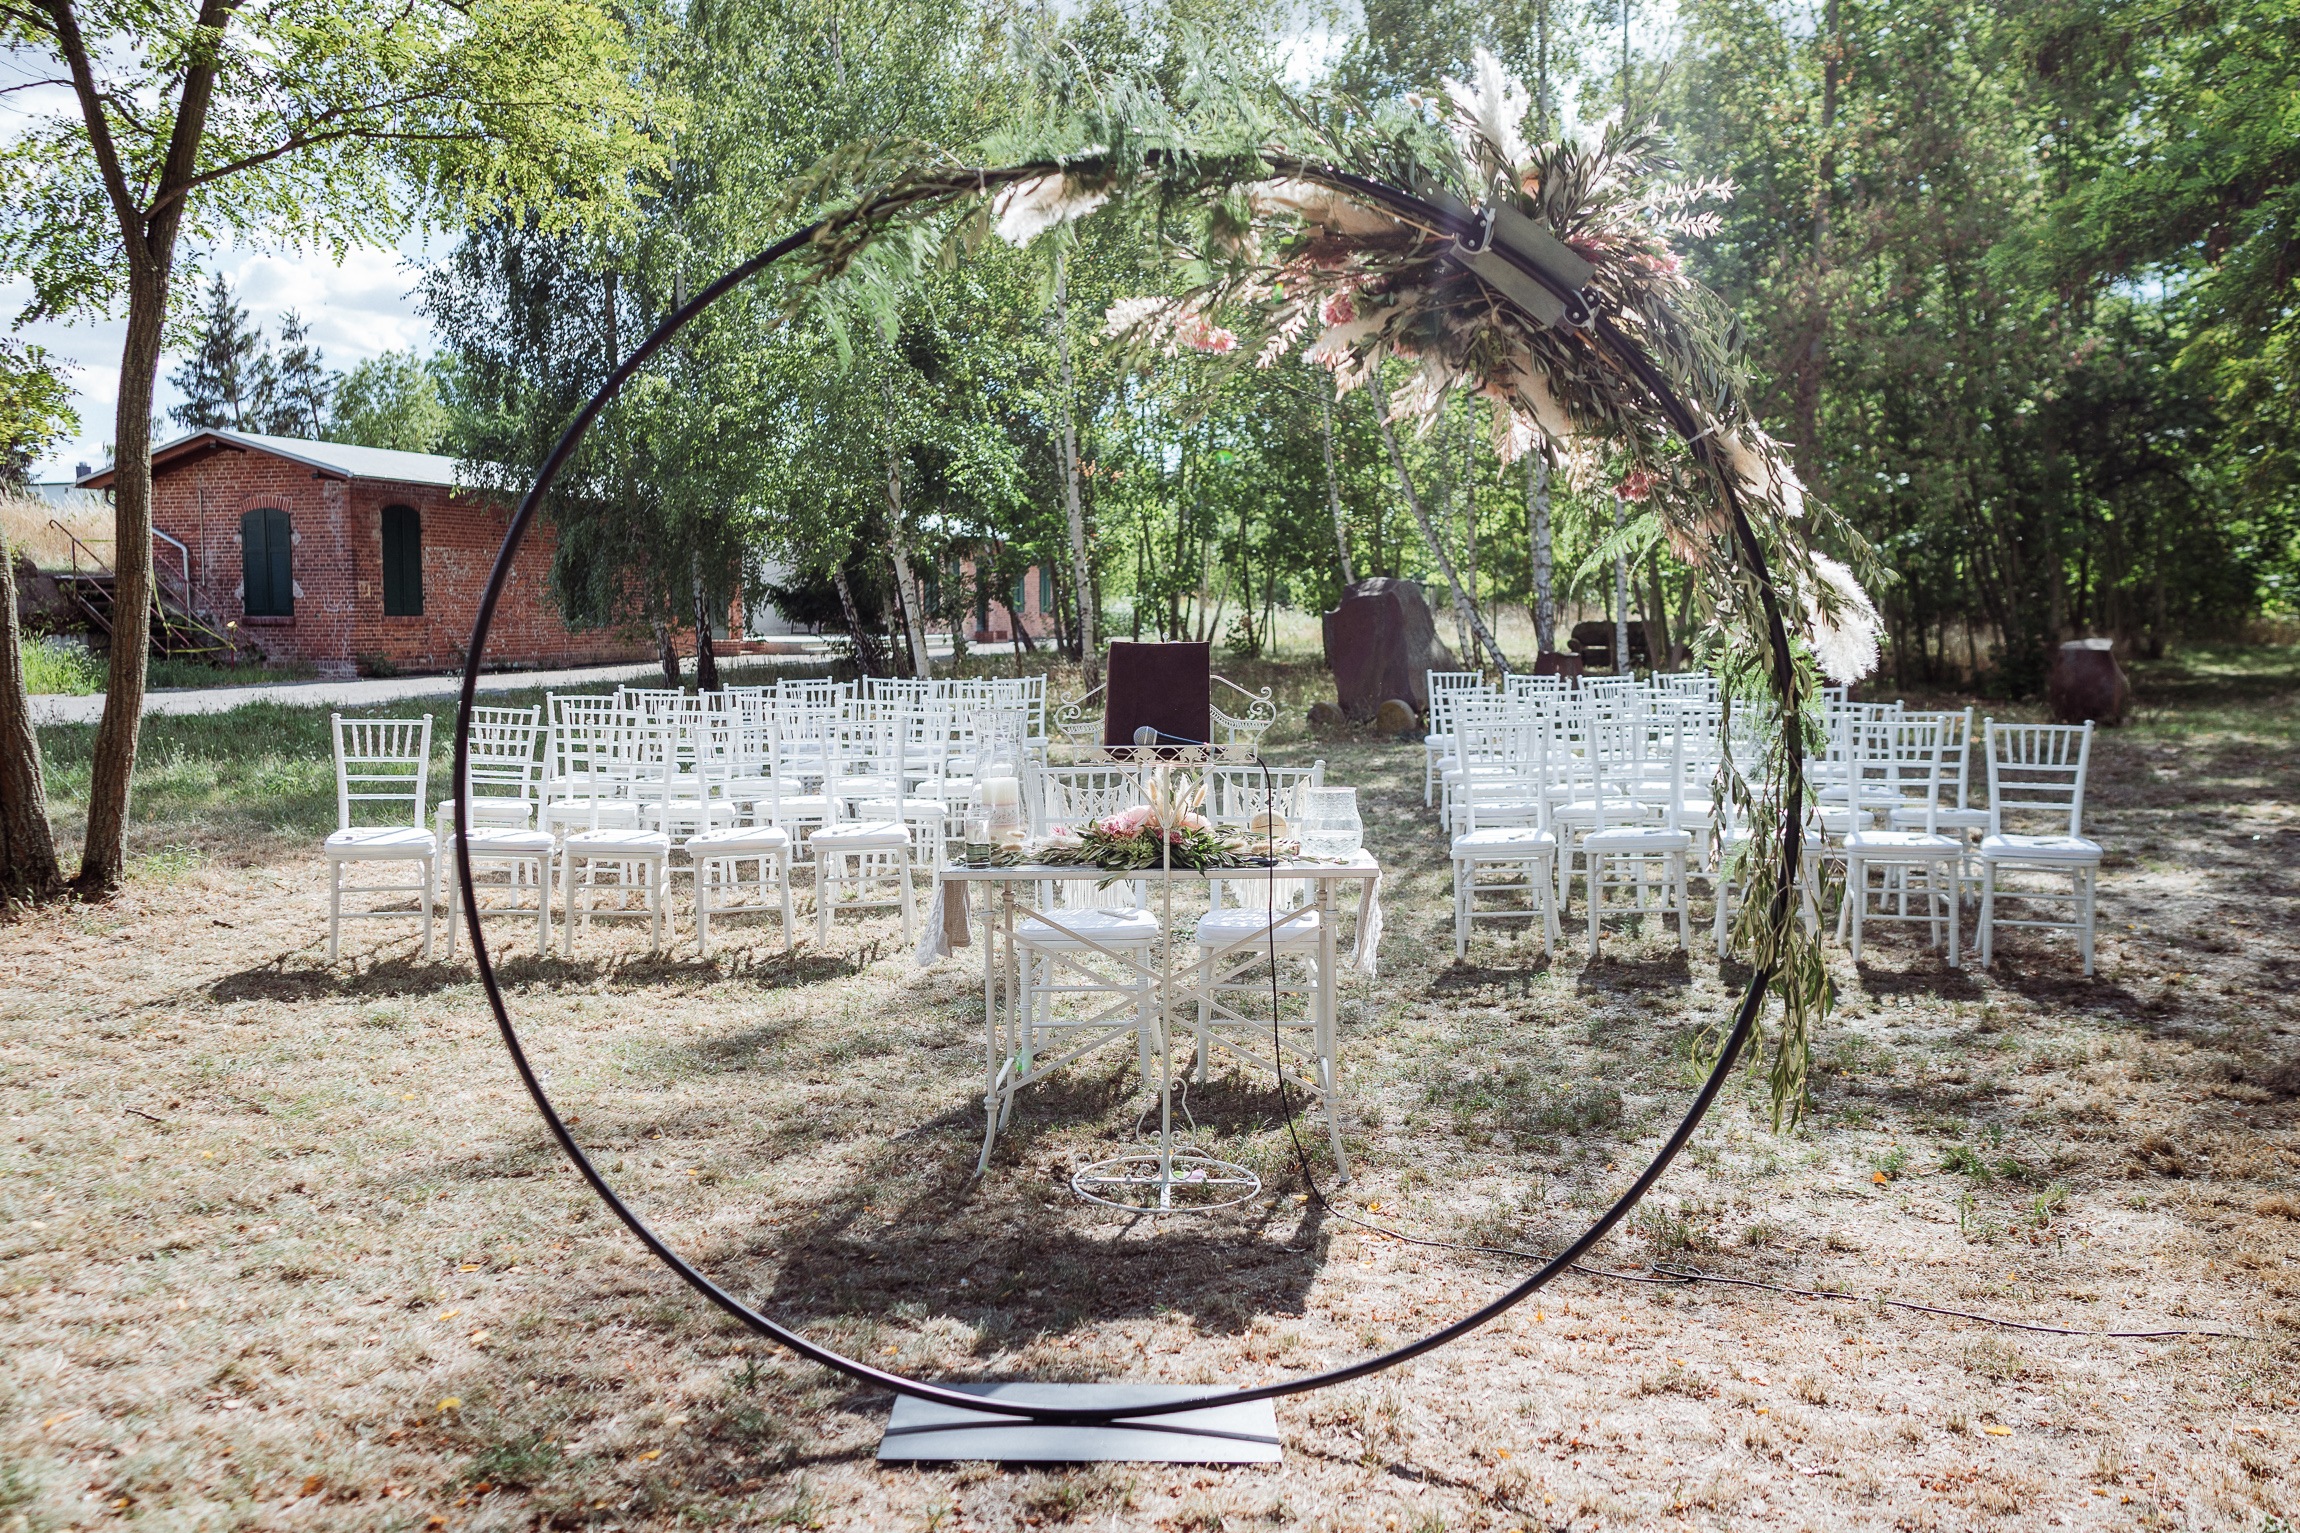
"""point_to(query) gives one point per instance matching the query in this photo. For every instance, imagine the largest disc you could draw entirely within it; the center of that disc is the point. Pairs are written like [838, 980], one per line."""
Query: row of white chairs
[1612, 783]
[593, 805]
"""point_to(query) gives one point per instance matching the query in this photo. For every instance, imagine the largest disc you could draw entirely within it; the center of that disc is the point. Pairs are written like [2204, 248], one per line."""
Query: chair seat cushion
[1109, 927]
[1908, 815]
[803, 806]
[1875, 844]
[888, 809]
[748, 788]
[1221, 928]
[2069, 849]
[490, 811]
[862, 835]
[742, 839]
[378, 843]
[505, 841]
[578, 812]
[630, 842]
[1513, 840]
[1637, 838]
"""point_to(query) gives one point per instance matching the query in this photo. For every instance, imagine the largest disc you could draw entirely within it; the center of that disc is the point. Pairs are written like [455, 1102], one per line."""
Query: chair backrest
[2036, 776]
[500, 761]
[1072, 795]
[1897, 759]
[1238, 795]
[384, 762]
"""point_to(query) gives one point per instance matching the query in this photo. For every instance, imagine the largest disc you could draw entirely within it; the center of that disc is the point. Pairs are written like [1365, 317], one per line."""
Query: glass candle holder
[977, 841]
[1330, 825]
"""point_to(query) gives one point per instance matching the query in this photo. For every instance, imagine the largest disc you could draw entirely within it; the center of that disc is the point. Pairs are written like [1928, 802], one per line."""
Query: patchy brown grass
[285, 1247]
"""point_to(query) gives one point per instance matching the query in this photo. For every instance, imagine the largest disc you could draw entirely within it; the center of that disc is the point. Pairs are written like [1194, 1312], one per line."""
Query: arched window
[402, 562]
[267, 564]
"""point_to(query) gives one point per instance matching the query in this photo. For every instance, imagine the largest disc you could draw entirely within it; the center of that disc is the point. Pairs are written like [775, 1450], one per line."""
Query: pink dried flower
[1636, 485]
[1201, 334]
[1339, 308]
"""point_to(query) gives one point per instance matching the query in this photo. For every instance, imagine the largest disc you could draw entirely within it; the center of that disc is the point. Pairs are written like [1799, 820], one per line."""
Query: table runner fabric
[948, 918]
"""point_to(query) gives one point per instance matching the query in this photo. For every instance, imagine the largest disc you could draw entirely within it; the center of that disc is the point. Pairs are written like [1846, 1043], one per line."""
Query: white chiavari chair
[382, 768]
[2036, 781]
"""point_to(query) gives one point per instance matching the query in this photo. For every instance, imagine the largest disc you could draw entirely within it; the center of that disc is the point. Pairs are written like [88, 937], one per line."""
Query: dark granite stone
[1381, 643]
[2087, 684]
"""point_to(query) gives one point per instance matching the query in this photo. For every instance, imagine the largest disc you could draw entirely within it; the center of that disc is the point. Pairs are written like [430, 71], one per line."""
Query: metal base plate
[1221, 1434]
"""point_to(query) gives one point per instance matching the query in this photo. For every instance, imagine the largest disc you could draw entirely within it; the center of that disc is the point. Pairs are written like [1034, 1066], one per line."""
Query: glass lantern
[1330, 823]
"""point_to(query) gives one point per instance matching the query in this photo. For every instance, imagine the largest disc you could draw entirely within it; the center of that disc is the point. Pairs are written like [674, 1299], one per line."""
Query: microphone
[1145, 736]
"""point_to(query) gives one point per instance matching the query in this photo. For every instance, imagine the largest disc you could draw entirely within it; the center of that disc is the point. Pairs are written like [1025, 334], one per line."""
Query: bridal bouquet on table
[1169, 830]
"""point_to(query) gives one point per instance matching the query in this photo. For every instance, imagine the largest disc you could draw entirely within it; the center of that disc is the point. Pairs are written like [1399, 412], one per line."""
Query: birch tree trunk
[1081, 567]
[1334, 494]
[1379, 399]
[28, 869]
[905, 590]
[706, 659]
[1544, 569]
[666, 654]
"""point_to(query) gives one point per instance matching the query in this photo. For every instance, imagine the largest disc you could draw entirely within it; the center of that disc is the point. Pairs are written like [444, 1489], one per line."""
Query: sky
[357, 310]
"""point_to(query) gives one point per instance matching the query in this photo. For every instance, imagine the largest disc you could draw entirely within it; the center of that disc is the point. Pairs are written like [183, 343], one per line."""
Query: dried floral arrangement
[1363, 234]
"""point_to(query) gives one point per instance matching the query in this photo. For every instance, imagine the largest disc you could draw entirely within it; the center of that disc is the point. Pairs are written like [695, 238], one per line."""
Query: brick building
[341, 556]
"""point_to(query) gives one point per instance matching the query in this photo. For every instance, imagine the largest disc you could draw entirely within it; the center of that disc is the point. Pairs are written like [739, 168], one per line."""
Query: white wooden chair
[721, 855]
[617, 853]
[1505, 849]
[1437, 745]
[384, 764]
[1632, 852]
[852, 857]
[1917, 862]
[2036, 779]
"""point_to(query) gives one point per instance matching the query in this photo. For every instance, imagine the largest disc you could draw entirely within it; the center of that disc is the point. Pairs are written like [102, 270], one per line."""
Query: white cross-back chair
[622, 848]
[1897, 761]
[503, 776]
[2036, 826]
[382, 772]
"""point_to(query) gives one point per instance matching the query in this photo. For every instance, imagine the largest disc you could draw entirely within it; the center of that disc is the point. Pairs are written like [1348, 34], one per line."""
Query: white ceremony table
[1008, 1066]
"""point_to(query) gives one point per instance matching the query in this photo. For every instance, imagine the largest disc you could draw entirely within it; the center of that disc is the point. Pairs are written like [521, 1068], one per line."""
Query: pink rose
[1127, 822]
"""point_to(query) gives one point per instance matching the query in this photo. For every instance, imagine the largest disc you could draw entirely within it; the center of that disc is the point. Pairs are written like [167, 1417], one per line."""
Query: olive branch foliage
[1258, 202]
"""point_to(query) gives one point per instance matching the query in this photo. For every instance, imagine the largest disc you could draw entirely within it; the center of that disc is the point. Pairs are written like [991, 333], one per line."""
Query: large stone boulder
[1382, 643]
[2087, 685]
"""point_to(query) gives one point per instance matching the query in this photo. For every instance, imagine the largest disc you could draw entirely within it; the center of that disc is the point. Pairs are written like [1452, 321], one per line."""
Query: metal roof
[336, 459]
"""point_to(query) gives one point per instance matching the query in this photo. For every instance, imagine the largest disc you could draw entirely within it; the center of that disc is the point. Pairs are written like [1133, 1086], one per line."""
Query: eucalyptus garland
[1350, 233]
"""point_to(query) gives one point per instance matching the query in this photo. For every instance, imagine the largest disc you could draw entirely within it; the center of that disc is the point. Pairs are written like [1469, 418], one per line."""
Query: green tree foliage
[393, 400]
[35, 409]
[307, 124]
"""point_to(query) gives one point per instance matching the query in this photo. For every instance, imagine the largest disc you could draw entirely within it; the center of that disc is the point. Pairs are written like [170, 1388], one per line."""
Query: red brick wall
[338, 569]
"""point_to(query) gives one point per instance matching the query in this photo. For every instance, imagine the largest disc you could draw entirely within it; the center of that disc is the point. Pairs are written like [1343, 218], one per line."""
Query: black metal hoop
[1791, 847]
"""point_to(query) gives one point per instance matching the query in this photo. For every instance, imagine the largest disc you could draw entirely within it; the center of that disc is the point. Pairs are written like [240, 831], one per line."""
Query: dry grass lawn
[283, 1246]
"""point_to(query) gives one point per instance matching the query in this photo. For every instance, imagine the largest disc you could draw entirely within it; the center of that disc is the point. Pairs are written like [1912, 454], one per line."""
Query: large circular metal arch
[1790, 848]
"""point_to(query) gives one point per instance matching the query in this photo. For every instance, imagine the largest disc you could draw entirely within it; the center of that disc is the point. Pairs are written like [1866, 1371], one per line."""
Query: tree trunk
[706, 661]
[865, 643]
[667, 655]
[1081, 567]
[104, 857]
[1621, 595]
[1334, 495]
[905, 590]
[1660, 653]
[1544, 567]
[1379, 400]
[28, 869]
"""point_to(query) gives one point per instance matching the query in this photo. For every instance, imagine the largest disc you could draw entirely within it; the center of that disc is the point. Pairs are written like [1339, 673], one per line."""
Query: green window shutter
[1045, 589]
[267, 565]
[402, 561]
[1014, 598]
